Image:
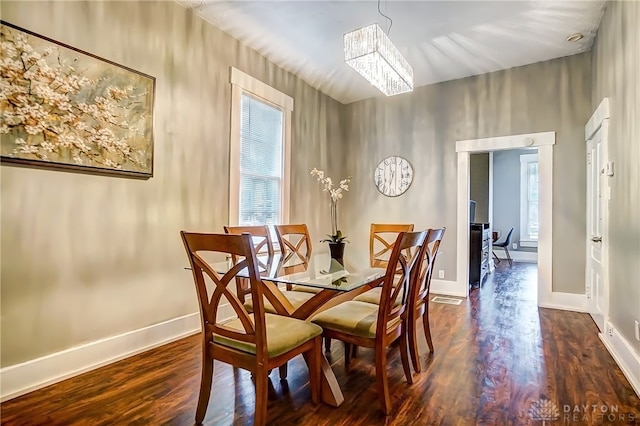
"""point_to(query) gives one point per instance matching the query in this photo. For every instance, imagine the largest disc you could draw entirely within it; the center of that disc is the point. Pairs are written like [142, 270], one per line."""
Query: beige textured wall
[85, 257]
[616, 74]
[424, 125]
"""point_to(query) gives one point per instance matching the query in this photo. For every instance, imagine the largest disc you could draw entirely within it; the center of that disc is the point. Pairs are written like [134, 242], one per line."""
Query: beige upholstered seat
[372, 296]
[297, 299]
[283, 334]
[305, 289]
[357, 318]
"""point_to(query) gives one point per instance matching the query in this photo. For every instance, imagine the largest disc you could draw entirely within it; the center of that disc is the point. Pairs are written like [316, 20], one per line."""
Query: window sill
[528, 243]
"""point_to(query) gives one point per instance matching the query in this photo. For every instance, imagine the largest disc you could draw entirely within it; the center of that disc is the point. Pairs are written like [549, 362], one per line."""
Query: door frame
[544, 142]
[600, 119]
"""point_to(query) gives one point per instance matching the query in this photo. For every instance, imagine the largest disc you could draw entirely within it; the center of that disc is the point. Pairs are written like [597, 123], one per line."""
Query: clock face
[393, 176]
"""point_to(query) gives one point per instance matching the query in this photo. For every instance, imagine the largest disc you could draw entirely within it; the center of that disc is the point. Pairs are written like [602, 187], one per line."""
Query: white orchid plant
[335, 194]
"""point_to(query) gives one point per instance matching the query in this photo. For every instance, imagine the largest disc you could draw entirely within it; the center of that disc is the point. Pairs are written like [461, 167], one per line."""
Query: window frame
[527, 240]
[242, 83]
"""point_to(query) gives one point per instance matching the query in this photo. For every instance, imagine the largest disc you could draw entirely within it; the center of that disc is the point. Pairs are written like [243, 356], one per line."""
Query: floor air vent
[447, 300]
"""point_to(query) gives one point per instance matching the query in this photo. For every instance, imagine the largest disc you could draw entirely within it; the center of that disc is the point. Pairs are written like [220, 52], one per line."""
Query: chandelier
[369, 51]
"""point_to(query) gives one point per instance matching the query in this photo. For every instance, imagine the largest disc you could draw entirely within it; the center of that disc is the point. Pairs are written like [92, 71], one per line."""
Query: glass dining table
[334, 284]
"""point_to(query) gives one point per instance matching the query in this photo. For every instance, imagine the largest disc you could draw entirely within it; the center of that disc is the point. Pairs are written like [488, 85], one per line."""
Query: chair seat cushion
[373, 296]
[352, 317]
[306, 289]
[283, 334]
[296, 298]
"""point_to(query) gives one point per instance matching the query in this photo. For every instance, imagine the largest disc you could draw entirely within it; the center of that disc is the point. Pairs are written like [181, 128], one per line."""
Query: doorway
[504, 190]
[544, 143]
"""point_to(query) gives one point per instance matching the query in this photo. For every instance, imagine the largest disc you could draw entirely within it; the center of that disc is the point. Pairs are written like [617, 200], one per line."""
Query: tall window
[261, 143]
[529, 200]
[259, 154]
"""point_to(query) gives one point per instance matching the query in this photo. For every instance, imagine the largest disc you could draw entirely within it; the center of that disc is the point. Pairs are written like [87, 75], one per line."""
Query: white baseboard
[448, 288]
[623, 354]
[563, 301]
[20, 379]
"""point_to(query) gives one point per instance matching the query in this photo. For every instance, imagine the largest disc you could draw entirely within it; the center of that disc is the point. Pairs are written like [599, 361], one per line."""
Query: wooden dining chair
[382, 236]
[295, 246]
[419, 296]
[262, 244]
[255, 342]
[377, 326]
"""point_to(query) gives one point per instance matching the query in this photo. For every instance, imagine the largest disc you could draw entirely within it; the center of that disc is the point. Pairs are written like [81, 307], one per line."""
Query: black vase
[337, 252]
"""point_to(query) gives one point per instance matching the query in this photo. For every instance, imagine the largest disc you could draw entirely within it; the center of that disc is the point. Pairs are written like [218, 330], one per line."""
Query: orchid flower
[334, 195]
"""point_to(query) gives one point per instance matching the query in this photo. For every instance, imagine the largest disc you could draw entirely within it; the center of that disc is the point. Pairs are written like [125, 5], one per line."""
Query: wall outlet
[441, 275]
[610, 331]
[514, 246]
[637, 330]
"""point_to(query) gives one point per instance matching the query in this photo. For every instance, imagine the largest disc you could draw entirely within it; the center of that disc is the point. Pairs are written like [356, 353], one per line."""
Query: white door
[597, 192]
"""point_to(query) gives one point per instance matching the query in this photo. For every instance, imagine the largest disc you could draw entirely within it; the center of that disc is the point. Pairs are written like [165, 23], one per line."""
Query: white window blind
[261, 153]
[529, 200]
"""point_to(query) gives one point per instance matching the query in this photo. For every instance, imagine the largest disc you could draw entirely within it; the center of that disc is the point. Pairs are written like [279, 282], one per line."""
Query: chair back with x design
[262, 244]
[382, 238]
[295, 244]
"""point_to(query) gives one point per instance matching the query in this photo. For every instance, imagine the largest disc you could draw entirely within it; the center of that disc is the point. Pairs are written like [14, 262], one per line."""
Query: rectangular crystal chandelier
[369, 51]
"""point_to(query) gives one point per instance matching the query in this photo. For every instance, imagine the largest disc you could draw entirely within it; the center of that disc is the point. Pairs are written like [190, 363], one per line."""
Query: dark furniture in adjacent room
[478, 253]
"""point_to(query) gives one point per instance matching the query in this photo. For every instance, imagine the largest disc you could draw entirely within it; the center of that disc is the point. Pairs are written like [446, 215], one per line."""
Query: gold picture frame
[65, 108]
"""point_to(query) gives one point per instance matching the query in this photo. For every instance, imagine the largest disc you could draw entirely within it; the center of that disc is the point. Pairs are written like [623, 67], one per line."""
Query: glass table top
[320, 272]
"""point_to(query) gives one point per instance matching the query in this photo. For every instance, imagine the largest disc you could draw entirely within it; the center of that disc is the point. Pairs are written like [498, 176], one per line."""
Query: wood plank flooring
[496, 354]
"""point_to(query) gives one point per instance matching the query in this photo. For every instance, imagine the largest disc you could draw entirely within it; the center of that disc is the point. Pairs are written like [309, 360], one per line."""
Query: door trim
[599, 115]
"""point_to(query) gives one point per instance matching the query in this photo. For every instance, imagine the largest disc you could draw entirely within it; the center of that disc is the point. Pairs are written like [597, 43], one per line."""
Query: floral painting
[67, 108]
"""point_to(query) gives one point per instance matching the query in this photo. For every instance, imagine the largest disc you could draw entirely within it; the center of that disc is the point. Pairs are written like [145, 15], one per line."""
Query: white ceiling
[442, 40]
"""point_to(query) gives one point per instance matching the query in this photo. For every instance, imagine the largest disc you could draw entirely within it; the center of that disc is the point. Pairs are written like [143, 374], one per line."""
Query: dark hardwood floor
[496, 356]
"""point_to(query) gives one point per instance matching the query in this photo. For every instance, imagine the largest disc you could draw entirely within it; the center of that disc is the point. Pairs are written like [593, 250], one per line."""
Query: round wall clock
[393, 176]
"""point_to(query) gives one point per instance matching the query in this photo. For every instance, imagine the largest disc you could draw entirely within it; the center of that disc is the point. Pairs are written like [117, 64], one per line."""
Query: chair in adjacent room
[419, 296]
[504, 244]
[256, 342]
[378, 326]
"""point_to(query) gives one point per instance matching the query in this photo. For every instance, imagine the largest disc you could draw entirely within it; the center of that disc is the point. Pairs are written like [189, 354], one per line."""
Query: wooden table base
[330, 391]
